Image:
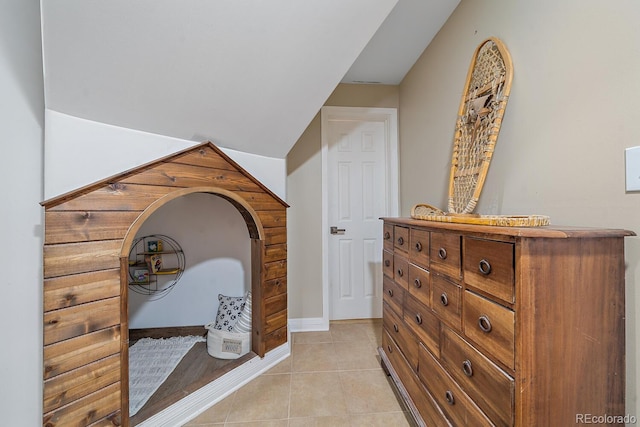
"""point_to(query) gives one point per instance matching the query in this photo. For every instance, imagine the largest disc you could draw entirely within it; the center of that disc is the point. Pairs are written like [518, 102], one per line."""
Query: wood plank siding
[88, 233]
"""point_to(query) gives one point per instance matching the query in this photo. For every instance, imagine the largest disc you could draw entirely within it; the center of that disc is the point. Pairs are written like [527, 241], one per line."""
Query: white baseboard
[199, 401]
[309, 324]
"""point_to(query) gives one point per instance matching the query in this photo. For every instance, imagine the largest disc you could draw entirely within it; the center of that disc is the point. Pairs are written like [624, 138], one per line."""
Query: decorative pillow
[228, 311]
[244, 320]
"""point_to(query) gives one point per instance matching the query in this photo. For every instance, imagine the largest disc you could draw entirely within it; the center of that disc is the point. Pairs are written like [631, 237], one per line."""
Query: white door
[356, 199]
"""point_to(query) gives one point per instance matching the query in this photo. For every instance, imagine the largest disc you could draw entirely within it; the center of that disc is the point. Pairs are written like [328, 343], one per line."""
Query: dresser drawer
[398, 330]
[393, 294]
[395, 356]
[445, 254]
[421, 320]
[419, 247]
[401, 270]
[419, 284]
[424, 403]
[491, 326]
[488, 385]
[401, 238]
[446, 301]
[459, 407]
[387, 263]
[489, 266]
[387, 237]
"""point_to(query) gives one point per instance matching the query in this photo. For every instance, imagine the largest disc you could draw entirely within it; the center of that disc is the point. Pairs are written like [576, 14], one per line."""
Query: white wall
[79, 152]
[217, 249]
[21, 136]
[573, 110]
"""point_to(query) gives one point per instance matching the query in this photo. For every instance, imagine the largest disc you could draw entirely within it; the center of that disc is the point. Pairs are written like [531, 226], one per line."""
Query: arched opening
[166, 208]
[256, 231]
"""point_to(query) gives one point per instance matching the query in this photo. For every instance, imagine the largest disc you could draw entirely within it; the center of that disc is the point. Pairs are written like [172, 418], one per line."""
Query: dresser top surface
[549, 231]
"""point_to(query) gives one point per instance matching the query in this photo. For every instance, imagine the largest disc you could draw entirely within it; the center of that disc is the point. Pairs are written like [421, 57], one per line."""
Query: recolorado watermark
[605, 419]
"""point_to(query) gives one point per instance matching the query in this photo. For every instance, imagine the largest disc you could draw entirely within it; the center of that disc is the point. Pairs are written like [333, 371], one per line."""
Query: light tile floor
[332, 378]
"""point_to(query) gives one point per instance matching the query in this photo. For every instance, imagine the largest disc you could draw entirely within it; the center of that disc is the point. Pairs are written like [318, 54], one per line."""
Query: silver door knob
[336, 230]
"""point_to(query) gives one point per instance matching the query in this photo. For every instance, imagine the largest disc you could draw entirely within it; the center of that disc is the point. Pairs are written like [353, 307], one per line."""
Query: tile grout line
[290, 389]
[293, 343]
[233, 400]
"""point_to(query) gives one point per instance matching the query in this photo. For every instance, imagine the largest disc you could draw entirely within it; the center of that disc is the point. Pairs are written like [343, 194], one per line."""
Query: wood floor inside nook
[194, 371]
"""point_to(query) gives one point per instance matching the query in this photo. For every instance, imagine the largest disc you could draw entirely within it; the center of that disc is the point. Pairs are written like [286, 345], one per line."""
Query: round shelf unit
[156, 263]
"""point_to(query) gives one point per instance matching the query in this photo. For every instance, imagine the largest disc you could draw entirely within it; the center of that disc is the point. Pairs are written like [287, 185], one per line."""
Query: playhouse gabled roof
[200, 148]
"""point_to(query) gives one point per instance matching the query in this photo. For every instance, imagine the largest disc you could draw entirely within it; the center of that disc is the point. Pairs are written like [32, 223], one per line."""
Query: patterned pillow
[228, 311]
[244, 320]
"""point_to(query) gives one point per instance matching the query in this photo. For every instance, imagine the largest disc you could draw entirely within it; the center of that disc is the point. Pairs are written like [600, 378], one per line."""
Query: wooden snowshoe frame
[480, 115]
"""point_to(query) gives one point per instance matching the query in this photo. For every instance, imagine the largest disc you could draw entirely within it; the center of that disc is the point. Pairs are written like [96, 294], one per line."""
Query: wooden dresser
[504, 326]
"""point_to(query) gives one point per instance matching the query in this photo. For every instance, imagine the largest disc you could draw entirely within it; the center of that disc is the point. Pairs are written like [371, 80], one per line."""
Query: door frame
[388, 116]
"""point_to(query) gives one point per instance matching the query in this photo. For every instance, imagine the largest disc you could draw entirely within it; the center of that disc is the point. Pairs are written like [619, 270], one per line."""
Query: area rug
[151, 361]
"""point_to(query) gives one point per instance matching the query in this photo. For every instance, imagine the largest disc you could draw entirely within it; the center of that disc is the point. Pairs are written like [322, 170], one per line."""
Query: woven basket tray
[480, 115]
[426, 212]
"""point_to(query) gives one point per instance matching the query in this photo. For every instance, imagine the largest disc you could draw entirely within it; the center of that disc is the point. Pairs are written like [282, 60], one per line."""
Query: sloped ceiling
[247, 74]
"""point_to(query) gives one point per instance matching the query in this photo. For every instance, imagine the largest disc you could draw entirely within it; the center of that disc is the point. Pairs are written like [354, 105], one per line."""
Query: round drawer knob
[484, 266]
[444, 299]
[390, 292]
[442, 253]
[400, 272]
[387, 263]
[484, 324]
[387, 235]
[418, 319]
[448, 395]
[395, 327]
[418, 246]
[389, 348]
[467, 368]
[400, 241]
[417, 283]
